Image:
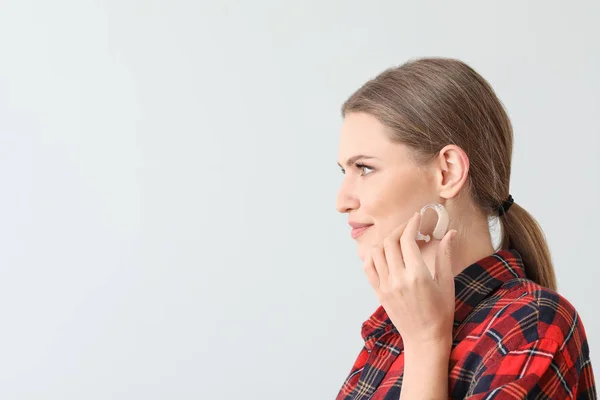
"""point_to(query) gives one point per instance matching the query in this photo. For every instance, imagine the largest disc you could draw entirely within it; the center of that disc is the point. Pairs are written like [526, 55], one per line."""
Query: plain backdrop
[168, 178]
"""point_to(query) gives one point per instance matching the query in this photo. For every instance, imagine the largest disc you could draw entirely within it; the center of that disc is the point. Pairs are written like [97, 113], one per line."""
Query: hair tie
[503, 209]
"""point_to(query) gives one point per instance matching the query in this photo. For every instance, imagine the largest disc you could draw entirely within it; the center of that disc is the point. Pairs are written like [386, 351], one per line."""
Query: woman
[458, 318]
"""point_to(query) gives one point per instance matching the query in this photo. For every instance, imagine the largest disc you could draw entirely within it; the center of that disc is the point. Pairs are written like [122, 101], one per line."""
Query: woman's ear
[453, 164]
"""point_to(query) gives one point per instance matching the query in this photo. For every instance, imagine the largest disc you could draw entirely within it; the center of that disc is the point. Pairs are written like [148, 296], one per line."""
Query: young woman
[458, 318]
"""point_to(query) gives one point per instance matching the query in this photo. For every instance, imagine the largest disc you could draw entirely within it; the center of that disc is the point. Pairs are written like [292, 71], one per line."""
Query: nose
[346, 200]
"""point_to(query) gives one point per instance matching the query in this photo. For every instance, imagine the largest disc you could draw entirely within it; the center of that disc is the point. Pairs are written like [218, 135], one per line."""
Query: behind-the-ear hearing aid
[441, 226]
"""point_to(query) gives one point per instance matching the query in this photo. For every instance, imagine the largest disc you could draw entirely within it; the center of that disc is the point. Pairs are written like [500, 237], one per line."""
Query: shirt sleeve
[540, 369]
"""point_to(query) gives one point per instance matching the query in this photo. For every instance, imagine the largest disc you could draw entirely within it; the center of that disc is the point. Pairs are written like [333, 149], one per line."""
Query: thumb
[443, 259]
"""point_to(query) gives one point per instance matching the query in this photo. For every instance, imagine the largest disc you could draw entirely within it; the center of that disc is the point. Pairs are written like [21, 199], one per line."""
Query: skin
[413, 280]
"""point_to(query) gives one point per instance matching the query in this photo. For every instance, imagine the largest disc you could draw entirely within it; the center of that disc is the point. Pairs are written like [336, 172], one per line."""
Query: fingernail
[452, 236]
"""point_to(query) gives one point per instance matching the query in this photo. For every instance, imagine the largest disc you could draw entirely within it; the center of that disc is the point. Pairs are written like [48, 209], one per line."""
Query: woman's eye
[364, 170]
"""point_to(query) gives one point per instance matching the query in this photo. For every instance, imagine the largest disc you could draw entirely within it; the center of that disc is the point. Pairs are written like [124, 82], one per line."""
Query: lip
[358, 229]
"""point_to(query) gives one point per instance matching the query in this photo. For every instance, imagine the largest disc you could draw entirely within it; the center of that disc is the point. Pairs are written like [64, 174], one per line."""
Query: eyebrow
[355, 158]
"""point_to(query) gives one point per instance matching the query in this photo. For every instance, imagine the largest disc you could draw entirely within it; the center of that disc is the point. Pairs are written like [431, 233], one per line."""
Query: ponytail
[523, 233]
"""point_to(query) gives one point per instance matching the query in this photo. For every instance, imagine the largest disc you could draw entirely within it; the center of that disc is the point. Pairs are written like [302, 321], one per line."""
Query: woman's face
[382, 186]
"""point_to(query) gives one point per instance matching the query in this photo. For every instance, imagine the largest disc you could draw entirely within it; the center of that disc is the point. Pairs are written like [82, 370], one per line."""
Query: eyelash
[361, 166]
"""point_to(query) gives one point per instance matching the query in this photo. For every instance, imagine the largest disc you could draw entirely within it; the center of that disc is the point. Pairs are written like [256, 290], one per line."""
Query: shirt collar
[471, 287]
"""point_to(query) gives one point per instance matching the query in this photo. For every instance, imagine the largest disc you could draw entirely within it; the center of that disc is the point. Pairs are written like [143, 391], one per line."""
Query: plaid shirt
[513, 339]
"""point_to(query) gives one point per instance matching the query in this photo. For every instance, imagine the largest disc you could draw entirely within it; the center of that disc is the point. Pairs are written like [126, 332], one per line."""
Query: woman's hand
[420, 306]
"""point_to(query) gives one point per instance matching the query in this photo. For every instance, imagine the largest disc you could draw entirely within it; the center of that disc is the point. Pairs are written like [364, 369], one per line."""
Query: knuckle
[400, 286]
[413, 280]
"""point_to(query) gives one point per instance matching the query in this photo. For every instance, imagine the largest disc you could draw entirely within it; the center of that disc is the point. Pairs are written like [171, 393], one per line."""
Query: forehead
[363, 134]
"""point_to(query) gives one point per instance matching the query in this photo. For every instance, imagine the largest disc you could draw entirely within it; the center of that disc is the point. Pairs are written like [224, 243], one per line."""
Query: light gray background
[168, 176]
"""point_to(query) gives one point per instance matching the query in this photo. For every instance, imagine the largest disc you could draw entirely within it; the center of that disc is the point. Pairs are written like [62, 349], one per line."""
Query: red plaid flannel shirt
[513, 339]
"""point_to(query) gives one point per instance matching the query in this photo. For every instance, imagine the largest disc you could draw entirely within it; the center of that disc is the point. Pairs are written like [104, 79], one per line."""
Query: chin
[363, 245]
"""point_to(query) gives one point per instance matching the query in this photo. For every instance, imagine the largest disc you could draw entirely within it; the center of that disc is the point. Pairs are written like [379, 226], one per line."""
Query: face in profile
[383, 186]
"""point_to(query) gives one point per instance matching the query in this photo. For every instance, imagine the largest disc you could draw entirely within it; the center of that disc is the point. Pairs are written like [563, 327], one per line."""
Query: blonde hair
[429, 103]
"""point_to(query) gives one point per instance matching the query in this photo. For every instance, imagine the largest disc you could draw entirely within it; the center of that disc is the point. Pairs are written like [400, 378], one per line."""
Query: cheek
[390, 203]
[380, 197]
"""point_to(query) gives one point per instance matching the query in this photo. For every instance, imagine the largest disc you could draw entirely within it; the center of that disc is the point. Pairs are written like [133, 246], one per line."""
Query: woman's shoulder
[524, 338]
[535, 313]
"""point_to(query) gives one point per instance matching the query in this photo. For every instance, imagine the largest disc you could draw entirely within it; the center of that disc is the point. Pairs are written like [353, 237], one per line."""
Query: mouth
[358, 230]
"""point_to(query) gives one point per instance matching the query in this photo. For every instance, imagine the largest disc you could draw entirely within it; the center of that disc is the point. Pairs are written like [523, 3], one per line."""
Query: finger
[381, 265]
[371, 272]
[443, 259]
[410, 249]
[393, 252]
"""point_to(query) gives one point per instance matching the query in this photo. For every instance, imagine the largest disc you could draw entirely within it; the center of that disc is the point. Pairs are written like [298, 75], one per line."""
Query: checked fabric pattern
[513, 339]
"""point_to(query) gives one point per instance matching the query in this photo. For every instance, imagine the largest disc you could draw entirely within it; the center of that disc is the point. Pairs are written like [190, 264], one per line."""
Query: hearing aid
[441, 226]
